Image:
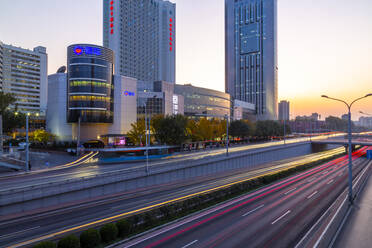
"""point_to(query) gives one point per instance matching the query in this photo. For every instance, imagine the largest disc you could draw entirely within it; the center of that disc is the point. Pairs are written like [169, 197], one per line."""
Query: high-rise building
[24, 73]
[142, 34]
[251, 54]
[283, 107]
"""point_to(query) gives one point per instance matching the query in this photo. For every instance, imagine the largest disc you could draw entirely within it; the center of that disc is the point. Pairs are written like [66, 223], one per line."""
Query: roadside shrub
[108, 232]
[90, 238]
[46, 244]
[124, 228]
[70, 241]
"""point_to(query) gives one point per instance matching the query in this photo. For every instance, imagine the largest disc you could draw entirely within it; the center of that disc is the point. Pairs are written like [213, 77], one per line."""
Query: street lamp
[349, 140]
[147, 148]
[364, 113]
[27, 144]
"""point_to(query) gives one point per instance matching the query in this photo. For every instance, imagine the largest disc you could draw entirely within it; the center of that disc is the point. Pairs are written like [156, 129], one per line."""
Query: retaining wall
[50, 194]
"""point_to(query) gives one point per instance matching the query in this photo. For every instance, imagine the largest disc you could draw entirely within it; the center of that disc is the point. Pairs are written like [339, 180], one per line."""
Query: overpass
[344, 142]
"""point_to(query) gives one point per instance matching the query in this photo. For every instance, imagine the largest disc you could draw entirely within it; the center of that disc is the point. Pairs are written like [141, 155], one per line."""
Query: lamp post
[364, 113]
[349, 140]
[150, 121]
[284, 130]
[78, 138]
[227, 135]
[147, 148]
[27, 144]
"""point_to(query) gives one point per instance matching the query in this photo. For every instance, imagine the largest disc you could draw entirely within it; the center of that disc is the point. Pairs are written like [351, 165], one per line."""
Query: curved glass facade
[200, 101]
[90, 84]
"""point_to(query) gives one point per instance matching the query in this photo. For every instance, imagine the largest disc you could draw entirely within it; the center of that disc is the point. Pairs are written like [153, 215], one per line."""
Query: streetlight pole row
[349, 140]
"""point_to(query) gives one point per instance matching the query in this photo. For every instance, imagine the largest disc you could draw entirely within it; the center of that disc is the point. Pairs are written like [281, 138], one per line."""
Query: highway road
[47, 224]
[81, 170]
[274, 216]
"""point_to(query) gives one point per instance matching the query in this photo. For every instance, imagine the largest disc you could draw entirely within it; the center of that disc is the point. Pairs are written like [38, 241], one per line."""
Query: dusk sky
[324, 46]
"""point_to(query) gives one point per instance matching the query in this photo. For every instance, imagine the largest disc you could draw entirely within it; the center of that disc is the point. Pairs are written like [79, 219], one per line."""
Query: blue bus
[134, 154]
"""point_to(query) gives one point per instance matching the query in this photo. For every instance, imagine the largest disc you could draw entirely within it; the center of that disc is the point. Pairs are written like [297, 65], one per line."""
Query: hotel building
[142, 34]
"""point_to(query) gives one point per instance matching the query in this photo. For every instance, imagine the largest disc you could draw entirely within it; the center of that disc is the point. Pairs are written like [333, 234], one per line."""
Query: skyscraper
[251, 54]
[142, 34]
[24, 73]
[283, 110]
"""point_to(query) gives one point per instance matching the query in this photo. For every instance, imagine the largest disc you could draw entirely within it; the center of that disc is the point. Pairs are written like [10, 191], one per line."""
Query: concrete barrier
[49, 194]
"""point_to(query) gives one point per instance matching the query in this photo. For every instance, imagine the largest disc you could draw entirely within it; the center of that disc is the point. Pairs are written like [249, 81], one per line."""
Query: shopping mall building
[87, 97]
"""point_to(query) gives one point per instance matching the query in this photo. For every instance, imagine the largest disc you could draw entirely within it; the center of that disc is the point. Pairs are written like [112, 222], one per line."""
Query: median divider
[134, 222]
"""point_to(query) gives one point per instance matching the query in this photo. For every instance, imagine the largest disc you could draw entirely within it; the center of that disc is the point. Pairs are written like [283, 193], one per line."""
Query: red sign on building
[112, 17]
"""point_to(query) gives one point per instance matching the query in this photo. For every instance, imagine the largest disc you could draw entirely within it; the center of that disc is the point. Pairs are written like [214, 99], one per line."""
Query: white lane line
[330, 181]
[286, 193]
[15, 233]
[309, 181]
[253, 210]
[281, 217]
[193, 242]
[312, 195]
[325, 172]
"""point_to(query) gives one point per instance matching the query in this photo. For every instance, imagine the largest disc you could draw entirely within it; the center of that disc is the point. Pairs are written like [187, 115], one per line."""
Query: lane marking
[253, 210]
[325, 172]
[286, 193]
[189, 244]
[312, 179]
[312, 195]
[330, 181]
[281, 217]
[15, 233]
[282, 183]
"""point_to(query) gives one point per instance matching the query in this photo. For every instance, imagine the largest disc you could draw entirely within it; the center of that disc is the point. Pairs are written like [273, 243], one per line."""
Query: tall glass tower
[251, 54]
[142, 34]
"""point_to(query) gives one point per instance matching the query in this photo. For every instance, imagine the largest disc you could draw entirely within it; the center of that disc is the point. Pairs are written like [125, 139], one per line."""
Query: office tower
[283, 110]
[142, 34]
[23, 72]
[251, 54]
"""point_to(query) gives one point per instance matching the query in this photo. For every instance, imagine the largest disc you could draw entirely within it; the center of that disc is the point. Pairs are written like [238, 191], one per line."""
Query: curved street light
[349, 139]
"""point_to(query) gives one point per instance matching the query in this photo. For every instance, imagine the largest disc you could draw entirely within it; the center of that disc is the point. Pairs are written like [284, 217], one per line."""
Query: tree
[239, 128]
[171, 130]
[138, 132]
[41, 136]
[13, 120]
[268, 129]
[336, 124]
[6, 99]
[204, 130]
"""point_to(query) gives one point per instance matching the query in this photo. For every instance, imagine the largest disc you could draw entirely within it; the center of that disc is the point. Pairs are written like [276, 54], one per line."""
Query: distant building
[142, 35]
[244, 111]
[199, 102]
[158, 97]
[365, 121]
[24, 73]
[251, 63]
[345, 117]
[283, 107]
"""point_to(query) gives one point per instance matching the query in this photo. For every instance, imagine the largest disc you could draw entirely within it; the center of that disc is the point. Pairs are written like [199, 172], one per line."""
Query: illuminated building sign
[111, 17]
[128, 93]
[87, 50]
[170, 34]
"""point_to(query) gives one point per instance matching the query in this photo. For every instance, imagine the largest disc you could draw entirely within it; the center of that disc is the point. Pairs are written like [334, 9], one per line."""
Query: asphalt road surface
[274, 216]
[16, 230]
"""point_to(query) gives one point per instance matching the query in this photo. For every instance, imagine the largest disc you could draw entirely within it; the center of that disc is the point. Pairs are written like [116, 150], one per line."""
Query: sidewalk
[357, 231]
